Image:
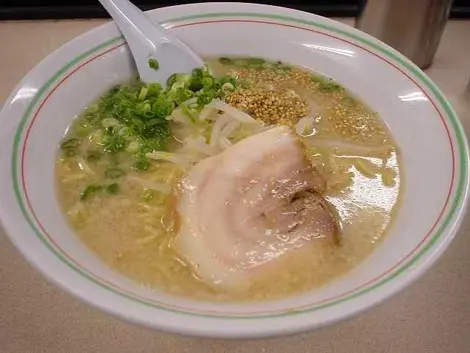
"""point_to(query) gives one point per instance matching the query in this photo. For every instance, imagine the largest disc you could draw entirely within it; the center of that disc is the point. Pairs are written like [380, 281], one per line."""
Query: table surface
[432, 315]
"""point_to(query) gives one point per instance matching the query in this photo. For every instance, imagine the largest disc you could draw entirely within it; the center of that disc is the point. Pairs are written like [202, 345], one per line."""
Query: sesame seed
[284, 98]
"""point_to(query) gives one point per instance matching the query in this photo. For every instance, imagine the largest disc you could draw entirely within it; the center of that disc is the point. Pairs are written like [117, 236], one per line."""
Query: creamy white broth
[133, 229]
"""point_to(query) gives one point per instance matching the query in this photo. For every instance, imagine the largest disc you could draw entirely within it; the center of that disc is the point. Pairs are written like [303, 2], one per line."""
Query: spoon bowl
[157, 53]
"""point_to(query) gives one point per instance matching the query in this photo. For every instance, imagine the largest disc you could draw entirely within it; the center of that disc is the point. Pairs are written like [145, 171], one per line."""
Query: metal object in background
[413, 27]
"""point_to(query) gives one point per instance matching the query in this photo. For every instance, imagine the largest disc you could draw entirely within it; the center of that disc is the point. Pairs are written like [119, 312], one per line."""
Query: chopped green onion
[207, 82]
[70, 143]
[70, 153]
[115, 89]
[112, 188]
[227, 87]
[142, 163]
[151, 145]
[143, 93]
[153, 122]
[329, 87]
[93, 156]
[114, 173]
[205, 97]
[153, 63]
[256, 62]
[82, 127]
[125, 132]
[146, 107]
[163, 108]
[70, 147]
[171, 80]
[133, 146]
[109, 122]
[149, 114]
[93, 189]
[326, 85]
[137, 124]
[225, 61]
[133, 118]
[251, 62]
[89, 191]
[180, 94]
[154, 89]
[113, 143]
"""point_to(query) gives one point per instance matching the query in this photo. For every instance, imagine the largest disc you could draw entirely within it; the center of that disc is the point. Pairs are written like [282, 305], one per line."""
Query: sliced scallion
[114, 173]
[153, 63]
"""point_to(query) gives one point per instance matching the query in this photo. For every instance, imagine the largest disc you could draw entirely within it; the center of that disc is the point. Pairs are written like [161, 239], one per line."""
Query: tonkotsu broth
[132, 227]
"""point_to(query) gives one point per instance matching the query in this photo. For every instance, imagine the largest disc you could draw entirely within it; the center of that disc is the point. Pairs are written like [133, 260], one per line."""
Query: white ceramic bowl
[431, 139]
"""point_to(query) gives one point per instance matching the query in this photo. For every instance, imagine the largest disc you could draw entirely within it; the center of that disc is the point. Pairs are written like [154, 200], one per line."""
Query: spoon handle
[134, 25]
[147, 39]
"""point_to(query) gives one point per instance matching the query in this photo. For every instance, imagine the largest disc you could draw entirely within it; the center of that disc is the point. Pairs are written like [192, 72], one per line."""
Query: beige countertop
[432, 315]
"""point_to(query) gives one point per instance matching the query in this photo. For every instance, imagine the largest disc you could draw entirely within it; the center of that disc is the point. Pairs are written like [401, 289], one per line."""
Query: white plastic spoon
[151, 44]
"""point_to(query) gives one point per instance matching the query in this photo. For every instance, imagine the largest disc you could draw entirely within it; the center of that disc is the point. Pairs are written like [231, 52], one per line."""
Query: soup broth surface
[123, 207]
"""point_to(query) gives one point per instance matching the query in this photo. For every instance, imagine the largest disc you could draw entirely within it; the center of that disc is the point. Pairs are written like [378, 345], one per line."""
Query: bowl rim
[319, 23]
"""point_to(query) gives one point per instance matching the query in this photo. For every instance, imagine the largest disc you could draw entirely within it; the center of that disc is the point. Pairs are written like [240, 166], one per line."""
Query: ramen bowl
[432, 144]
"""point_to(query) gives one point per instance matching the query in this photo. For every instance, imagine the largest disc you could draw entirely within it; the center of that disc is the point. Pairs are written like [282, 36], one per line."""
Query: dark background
[55, 9]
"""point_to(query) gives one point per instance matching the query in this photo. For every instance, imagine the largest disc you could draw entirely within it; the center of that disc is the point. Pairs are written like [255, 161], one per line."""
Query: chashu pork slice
[248, 206]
